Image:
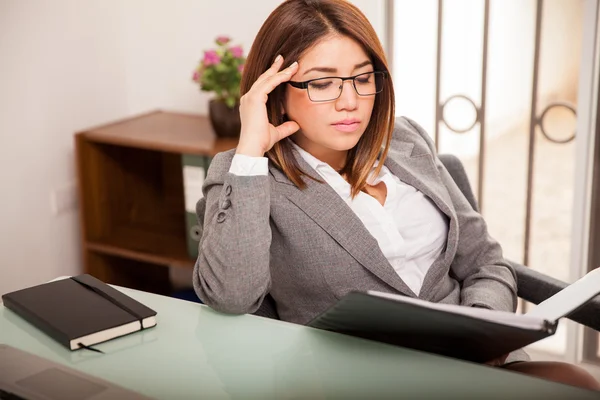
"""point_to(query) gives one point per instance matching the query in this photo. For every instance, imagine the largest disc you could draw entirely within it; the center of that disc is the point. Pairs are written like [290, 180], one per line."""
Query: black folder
[80, 311]
[468, 333]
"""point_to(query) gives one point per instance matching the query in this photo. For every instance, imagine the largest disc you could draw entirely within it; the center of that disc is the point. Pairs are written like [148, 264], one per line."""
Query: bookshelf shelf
[131, 192]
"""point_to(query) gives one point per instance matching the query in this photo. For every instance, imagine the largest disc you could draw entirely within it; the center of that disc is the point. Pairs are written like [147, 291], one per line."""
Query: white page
[502, 317]
[569, 299]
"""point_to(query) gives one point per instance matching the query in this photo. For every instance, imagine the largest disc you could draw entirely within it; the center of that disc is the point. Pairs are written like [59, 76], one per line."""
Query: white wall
[164, 41]
[66, 65]
[62, 69]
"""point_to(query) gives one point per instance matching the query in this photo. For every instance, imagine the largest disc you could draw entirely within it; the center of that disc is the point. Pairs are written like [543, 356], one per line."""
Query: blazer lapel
[326, 208]
[420, 171]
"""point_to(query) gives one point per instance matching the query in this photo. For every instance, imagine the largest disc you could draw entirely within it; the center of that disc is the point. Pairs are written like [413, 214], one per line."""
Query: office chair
[533, 286]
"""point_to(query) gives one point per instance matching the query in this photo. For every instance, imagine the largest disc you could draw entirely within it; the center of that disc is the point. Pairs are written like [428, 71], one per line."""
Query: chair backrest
[457, 171]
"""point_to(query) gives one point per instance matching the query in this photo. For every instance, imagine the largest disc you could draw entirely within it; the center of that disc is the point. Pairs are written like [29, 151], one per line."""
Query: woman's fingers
[271, 71]
[286, 129]
[272, 82]
[257, 135]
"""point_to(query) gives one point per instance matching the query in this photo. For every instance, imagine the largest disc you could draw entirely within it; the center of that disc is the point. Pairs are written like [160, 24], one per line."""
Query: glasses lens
[369, 84]
[325, 89]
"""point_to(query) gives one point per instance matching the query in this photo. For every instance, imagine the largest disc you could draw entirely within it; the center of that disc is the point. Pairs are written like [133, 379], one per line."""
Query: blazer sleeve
[232, 272]
[486, 278]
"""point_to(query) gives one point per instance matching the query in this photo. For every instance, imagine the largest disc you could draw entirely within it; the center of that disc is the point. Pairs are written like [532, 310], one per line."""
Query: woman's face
[326, 128]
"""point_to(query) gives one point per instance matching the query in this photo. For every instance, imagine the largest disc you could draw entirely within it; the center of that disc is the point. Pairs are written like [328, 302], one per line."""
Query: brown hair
[290, 30]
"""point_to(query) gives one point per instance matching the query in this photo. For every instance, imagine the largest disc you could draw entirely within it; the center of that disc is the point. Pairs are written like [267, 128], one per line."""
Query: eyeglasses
[330, 87]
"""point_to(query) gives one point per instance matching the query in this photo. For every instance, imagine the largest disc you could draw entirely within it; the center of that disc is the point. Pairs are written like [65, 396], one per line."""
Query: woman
[327, 193]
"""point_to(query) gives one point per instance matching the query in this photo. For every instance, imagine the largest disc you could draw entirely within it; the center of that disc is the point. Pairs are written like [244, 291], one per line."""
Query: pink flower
[237, 51]
[195, 77]
[221, 40]
[241, 68]
[211, 57]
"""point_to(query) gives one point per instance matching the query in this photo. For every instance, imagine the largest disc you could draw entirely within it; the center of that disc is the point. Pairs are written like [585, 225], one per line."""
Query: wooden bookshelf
[131, 196]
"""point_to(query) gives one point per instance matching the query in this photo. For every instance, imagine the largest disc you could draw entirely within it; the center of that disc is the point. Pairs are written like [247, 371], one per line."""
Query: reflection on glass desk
[195, 352]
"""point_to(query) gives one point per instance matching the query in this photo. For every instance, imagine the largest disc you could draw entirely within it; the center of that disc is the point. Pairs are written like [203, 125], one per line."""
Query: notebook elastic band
[112, 300]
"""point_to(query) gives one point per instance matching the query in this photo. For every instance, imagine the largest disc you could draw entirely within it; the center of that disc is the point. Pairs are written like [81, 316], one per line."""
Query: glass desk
[195, 352]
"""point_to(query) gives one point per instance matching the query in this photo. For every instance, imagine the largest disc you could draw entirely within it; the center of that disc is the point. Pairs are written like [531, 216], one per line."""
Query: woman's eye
[321, 85]
[363, 80]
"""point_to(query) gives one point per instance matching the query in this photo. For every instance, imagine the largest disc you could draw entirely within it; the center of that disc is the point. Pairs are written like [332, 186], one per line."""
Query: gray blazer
[307, 249]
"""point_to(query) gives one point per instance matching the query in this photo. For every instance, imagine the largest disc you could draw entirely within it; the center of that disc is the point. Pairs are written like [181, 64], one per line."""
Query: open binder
[468, 333]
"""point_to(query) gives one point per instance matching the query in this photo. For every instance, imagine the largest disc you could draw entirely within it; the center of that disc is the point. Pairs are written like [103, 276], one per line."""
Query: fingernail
[277, 58]
[294, 64]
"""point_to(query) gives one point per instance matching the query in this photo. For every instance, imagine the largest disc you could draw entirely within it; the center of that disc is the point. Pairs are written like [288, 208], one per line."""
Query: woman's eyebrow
[333, 70]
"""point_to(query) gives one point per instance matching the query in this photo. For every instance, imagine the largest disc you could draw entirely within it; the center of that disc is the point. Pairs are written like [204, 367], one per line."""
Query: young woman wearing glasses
[328, 193]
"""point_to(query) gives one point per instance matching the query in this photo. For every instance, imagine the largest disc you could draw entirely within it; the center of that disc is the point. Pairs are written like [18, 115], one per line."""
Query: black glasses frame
[304, 84]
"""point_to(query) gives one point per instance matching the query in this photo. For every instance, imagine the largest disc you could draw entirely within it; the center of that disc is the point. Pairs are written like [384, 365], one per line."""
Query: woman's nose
[348, 98]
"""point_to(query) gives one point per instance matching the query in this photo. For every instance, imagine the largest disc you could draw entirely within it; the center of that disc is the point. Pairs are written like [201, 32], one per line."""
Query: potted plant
[220, 71]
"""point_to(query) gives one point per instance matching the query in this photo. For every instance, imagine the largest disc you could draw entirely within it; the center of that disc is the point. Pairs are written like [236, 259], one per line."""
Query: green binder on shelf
[194, 171]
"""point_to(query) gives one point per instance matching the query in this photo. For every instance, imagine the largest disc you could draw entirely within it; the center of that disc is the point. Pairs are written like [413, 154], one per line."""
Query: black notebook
[80, 311]
[468, 333]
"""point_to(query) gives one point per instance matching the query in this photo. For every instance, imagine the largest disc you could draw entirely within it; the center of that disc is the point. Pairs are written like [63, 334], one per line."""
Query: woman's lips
[347, 127]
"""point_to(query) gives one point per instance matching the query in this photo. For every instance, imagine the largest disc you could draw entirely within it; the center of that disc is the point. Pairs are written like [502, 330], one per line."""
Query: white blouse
[410, 230]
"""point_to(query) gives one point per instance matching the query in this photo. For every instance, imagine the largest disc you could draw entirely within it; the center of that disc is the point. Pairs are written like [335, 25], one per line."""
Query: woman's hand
[496, 362]
[258, 135]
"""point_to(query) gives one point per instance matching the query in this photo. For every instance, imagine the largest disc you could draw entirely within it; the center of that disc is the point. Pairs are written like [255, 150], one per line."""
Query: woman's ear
[284, 116]
[282, 105]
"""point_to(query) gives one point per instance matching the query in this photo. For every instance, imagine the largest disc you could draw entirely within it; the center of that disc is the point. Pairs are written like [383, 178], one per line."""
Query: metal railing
[536, 120]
